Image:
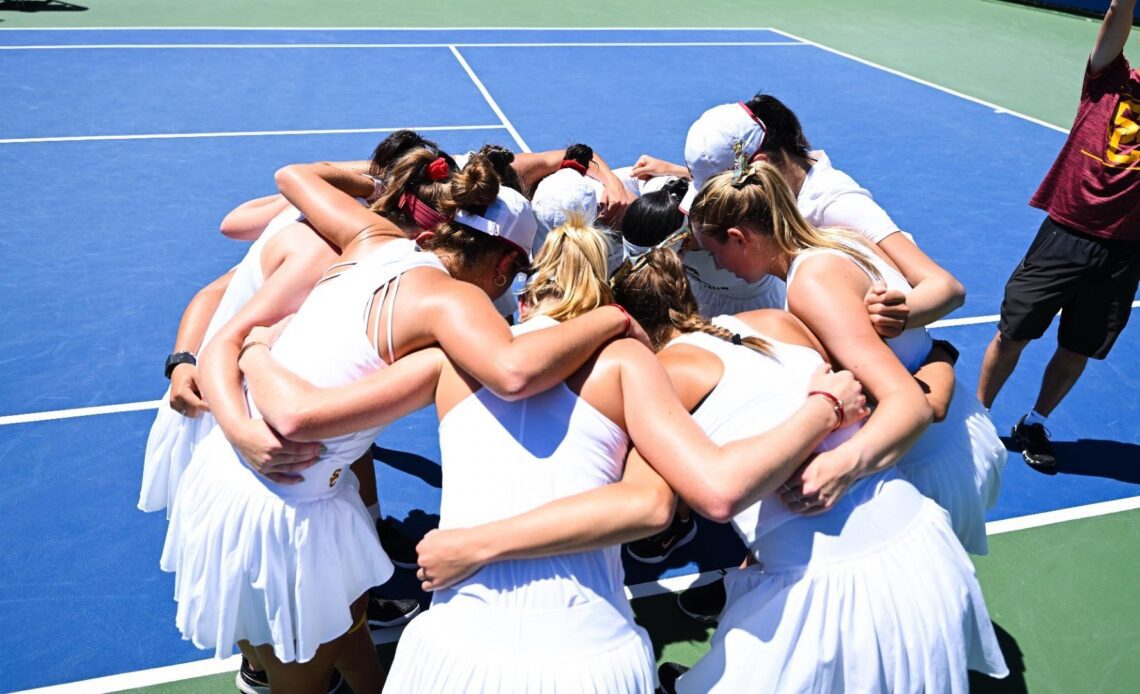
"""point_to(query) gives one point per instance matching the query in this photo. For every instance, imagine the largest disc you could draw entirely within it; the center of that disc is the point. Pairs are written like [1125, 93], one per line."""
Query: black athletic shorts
[1091, 280]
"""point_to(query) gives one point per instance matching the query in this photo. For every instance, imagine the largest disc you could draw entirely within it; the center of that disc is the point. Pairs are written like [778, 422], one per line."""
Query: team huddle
[740, 337]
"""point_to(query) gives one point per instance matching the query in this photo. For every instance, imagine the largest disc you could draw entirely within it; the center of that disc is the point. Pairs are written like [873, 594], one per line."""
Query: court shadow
[715, 546]
[416, 465]
[667, 625]
[1098, 458]
[39, 6]
[1014, 683]
[1092, 458]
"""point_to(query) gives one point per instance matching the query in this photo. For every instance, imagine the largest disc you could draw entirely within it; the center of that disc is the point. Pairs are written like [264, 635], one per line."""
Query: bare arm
[935, 291]
[616, 198]
[827, 297]
[466, 325]
[300, 411]
[648, 167]
[246, 221]
[1113, 34]
[185, 395]
[718, 481]
[638, 505]
[936, 379]
[326, 196]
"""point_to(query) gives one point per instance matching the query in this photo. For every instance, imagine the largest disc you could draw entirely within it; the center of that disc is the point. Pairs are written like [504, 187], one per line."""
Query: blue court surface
[120, 151]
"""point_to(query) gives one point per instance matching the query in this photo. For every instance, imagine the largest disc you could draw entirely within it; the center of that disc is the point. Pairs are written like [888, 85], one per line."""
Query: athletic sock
[374, 511]
[1035, 417]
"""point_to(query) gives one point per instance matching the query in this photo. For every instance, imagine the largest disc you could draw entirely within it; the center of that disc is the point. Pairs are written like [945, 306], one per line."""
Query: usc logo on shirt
[335, 476]
[1122, 143]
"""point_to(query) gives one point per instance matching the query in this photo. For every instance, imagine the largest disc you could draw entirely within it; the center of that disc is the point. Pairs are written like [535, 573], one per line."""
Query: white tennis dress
[875, 595]
[281, 564]
[559, 624]
[172, 438]
[957, 462]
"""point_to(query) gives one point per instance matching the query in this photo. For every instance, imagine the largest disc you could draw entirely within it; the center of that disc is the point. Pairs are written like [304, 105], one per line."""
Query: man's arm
[1113, 34]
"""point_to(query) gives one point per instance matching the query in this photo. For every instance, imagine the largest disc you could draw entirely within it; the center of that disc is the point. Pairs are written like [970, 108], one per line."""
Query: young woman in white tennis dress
[752, 227]
[560, 622]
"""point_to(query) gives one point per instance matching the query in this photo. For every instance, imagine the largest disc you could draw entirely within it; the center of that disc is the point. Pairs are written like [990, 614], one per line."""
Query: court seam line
[153, 404]
[926, 83]
[489, 99]
[565, 44]
[673, 584]
[249, 133]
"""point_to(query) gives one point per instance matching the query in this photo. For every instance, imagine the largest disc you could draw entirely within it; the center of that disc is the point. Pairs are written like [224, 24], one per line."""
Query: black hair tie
[737, 339]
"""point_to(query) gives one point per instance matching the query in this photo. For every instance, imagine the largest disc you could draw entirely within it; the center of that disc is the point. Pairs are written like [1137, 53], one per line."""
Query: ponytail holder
[438, 170]
[737, 339]
[571, 164]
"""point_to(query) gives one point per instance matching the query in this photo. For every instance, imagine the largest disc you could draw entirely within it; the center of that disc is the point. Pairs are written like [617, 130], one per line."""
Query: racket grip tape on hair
[836, 404]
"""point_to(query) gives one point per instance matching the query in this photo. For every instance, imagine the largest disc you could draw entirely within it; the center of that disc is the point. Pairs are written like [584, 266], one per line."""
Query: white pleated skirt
[169, 448]
[958, 463]
[884, 600]
[466, 645]
[252, 566]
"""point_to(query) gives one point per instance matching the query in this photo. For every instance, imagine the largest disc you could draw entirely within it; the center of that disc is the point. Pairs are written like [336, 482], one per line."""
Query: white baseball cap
[510, 218]
[559, 194]
[715, 139]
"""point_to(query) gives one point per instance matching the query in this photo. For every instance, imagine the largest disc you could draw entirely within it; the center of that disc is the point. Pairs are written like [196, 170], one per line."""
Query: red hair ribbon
[438, 170]
[425, 216]
[571, 164]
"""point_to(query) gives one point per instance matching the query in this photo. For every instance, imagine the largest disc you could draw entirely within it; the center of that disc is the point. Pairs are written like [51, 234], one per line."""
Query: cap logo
[740, 163]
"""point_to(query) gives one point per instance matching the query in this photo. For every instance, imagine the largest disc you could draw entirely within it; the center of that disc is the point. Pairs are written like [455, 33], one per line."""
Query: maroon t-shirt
[1094, 186]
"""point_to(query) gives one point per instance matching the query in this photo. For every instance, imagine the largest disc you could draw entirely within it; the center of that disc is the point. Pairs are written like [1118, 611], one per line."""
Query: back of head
[785, 136]
[394, 146]
[718, 138]
[659, 297]
[417, 186]
[761, 201]
[501, 159]
[651, 218]
[570, 270]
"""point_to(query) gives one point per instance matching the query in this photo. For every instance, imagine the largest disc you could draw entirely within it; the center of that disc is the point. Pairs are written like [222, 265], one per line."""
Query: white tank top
[248, 277]
[913, 345]
[327, 344]
[756, 393]
[504, 458]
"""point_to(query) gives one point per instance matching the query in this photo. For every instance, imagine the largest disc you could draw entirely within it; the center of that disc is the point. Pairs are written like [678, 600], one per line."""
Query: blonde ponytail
[569, 276]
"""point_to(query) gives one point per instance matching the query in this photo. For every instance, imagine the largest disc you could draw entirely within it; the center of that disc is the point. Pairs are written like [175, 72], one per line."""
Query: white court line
[925, 83]
[152, 404]
[489, 99]
[249, 133]
[319, 29]
[673, 584]
[564, 44]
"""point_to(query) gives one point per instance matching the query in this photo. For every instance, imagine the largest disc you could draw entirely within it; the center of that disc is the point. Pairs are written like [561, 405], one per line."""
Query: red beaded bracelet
[836, 404]
[628, 319]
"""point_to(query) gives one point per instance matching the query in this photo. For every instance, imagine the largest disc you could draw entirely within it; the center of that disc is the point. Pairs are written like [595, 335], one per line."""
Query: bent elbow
[716, 507]
[939, 411]
[661, 505]
[511, 381]
[957, 292]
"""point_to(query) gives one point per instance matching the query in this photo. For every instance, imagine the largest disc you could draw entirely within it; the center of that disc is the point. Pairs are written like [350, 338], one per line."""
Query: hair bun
[676, 188]
[476, 186]
[580, 153]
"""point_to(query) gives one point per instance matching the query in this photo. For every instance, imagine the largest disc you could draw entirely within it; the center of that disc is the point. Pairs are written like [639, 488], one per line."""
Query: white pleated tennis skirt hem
[251, 566]
[465, 645]
[958, 463]
[169, 449]
[899, 613]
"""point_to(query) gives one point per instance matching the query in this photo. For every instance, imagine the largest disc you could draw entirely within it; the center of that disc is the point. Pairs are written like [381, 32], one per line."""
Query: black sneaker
[1035, 447]
[704, 603]
[667, 676]
[385, 613]
[399, 548]
[252, 681]
[657, 548]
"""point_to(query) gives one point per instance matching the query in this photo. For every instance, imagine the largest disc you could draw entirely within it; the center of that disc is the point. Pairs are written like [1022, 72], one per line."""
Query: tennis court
[123, 148]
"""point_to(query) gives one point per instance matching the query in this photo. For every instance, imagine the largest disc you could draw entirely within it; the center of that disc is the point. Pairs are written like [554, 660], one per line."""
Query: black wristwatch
[949, 349]
[178, 358]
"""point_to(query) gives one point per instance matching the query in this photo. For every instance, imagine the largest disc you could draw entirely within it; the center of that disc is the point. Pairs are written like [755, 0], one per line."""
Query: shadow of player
[39, 6]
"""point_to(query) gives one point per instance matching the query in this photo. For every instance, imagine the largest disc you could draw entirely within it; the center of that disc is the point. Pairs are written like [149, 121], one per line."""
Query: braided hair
[658, 296]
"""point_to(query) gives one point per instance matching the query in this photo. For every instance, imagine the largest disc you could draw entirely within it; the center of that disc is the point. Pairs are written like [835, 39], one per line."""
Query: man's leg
[1060, 376]
[998, 363]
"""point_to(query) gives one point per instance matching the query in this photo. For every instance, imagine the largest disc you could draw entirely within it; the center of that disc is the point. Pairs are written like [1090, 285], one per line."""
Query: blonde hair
[658, 295]
[569, 275]
[762, 200]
